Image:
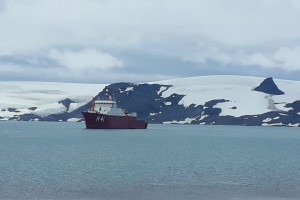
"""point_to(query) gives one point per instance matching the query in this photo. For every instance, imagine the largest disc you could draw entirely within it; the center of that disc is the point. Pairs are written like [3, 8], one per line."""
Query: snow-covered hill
[238, 90]
[42, 98]
[235, 100]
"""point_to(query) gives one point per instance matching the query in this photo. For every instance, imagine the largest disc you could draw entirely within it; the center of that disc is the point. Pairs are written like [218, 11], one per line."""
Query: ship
[105, 114]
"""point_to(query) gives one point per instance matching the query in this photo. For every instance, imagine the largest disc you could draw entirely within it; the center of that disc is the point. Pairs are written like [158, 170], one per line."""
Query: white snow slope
[44, 96]
[198, 90]
[236, 89]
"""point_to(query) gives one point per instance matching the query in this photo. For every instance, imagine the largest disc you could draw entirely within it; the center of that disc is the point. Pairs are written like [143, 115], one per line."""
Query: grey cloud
[134, 37]
[2, 5]
[130, 22]
[27, 61]
[285, 58]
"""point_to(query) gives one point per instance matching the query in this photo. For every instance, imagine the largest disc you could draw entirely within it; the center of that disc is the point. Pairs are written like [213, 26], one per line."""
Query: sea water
[47, 160]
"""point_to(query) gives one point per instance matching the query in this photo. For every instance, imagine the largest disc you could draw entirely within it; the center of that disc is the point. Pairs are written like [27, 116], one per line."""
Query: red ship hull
[102, 121]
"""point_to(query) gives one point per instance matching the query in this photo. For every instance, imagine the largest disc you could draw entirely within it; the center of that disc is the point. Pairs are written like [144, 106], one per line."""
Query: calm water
[65, 161]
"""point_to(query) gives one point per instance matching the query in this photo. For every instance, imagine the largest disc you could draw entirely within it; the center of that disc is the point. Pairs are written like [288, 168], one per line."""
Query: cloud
[65, 65]
[210, 54]
[3, 5]
[14, 71]
[85, 59]
[288, 57]
[284, 58]
[94, 35]
[30, 25]
[11, 68]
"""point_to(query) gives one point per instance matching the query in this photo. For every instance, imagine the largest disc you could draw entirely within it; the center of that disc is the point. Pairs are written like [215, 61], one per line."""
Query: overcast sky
[105, 41]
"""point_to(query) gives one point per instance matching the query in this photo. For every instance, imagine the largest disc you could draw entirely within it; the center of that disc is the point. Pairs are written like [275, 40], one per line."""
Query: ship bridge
[105, 103]
[108, 107]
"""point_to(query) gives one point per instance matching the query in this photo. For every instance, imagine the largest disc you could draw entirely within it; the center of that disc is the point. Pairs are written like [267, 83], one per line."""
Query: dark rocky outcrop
[29, 117]
[269, 87]
[32, 108]
[295, 106]
[66, 102]
[12, 110]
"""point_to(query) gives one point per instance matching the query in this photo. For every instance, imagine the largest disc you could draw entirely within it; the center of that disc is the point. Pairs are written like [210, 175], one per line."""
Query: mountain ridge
[219, 100]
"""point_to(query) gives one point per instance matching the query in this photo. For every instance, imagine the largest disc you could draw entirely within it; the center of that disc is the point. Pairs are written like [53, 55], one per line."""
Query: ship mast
[107, 97]
[93, 104]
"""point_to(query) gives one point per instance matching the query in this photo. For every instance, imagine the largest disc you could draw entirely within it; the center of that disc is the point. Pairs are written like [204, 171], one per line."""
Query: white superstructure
[109, 107]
